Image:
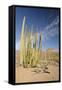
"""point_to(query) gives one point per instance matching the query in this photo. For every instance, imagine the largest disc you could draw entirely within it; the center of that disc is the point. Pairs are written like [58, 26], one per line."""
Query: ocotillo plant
[29, 53]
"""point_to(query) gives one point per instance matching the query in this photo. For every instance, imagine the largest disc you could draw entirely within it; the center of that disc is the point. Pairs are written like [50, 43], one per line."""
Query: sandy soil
[36, 74]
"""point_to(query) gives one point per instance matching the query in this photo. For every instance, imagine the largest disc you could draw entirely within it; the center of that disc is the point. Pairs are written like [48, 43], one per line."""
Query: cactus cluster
[29, 49]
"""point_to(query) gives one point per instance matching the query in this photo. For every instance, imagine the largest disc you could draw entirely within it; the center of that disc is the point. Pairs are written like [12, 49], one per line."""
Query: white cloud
[51, 30]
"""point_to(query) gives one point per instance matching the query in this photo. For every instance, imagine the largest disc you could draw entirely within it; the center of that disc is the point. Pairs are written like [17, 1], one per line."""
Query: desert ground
[37, 74]
[51, 73]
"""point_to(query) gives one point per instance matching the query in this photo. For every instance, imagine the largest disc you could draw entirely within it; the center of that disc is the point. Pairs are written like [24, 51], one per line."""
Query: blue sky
[43, 20]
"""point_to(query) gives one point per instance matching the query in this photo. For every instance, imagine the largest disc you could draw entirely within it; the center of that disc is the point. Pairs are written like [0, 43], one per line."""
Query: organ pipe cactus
[29, 53]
